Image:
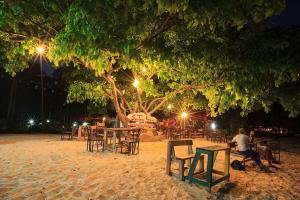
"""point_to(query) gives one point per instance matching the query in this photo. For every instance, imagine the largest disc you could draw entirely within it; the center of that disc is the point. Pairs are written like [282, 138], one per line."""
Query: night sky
[291, 16]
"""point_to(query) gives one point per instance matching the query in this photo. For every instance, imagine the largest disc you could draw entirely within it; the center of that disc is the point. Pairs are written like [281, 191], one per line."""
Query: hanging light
[184, 114]
[40, 49]
[136, 83]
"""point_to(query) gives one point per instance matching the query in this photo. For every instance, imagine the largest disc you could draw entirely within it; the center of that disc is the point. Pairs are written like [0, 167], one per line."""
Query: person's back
[242, 141]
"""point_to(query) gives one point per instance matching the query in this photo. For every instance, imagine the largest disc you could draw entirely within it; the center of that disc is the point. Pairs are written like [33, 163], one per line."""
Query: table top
[214, 148]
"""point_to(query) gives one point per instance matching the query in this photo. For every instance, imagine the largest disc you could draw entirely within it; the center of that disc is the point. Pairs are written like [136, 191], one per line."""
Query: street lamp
[213, 125]
[40, 50]
[184, 115]
[31, 122]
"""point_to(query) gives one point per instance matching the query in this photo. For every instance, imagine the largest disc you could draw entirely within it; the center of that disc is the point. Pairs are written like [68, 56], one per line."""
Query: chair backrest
[172, 143]
[135, 134]
[87, 131]
[74, 130]
[232, 146]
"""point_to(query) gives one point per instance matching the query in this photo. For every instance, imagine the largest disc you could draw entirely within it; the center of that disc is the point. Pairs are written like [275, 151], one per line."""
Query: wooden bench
[234, 152]
[171, 156]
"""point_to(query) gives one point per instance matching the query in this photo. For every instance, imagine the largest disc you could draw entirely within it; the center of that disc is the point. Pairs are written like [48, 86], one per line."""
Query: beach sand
[44, 167]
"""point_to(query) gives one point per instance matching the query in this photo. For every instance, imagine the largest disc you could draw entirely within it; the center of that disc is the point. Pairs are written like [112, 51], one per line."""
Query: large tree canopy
[221, 52]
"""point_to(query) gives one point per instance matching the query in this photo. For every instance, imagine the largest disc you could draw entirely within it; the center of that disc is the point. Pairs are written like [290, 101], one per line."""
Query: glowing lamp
[84, 123]
[136, 83]
[31, 122]
[170, 106]
[213, 125]
[184, 114]
[40, 50]
[48, 121]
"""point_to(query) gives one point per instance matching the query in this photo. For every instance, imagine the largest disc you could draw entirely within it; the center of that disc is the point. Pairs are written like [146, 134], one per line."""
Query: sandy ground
[43, 167]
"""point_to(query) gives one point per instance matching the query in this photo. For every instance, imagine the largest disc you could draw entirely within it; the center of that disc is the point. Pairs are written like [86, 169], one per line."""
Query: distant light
[40, 123]
[31, 122]
[75, 124]
[48, 121]
[144, 69]
[170, 106]
[184, 114]
[103, 119]
[40, 50]
[213, 125]
[136, 83]
[84, 123]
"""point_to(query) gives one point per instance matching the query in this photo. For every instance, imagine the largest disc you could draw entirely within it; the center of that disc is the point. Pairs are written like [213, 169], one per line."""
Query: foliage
[224, 51]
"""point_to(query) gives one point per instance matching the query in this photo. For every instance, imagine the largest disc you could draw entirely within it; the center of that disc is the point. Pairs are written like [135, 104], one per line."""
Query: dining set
[123, 140]
[177, 133]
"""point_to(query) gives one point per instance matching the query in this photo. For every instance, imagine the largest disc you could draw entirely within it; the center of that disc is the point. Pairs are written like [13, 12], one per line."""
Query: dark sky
[291, 16]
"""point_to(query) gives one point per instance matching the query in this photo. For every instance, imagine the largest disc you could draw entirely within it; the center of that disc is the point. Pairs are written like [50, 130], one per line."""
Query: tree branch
[162, 29]
[139, 97]
[188, 87]
[153, 101]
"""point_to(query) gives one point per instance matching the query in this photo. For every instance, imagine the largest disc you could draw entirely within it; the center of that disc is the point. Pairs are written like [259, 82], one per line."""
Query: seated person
[252, 136]
[242, 141]
[266, 149]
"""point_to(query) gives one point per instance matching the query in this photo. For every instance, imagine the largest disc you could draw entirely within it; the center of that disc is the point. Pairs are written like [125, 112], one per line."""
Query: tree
[173, 48]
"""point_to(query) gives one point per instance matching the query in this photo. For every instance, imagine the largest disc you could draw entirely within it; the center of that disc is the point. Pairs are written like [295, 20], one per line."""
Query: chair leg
[129, 148]
[181, 170]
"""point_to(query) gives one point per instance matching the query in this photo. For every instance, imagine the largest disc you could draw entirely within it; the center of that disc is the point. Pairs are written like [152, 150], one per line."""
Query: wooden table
[114, 138]
[211, 152]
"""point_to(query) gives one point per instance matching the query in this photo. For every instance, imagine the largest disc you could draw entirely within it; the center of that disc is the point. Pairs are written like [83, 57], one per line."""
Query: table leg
[227, 162]
[114, 141]
[104, 140]
[79, 133]
[210, 160]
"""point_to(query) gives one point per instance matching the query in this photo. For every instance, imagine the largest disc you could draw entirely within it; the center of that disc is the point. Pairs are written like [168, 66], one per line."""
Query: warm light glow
[144, 69]
[48, 120]
[103, 119]
[213, 125]
[184, 114]
[170, 106]
[40, 50]
[136, 83]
